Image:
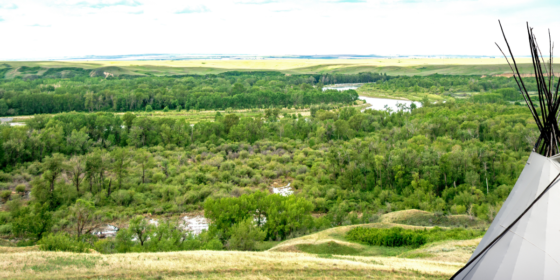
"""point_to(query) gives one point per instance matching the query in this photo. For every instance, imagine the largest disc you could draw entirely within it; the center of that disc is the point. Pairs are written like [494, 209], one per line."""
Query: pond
[375, 103]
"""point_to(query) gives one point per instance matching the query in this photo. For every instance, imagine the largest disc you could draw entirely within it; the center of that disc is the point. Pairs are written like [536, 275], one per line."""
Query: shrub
[166, 109]
[213, 245]
[245, 235]
[20, 189]
[62, 242]
[6, 229]
[105, 246]
[5, 195]
[397, 237]
[393, 237]
[149, 108]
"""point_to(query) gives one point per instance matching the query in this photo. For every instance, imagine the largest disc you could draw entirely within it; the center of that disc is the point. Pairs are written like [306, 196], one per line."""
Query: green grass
[333, 248]
[265, 245]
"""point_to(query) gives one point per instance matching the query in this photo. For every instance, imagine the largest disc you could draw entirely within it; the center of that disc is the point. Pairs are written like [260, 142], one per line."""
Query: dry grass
[212, 264]
[446, 251]
[457, 66]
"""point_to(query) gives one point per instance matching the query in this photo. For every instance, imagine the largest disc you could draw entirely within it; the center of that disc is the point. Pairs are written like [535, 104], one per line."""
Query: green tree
[145, 160]
[244, 236]
[121, 163]
[32, 222]
[52, 167]
[82, 215]
[140, 229]
[128, 119]
[75, 168]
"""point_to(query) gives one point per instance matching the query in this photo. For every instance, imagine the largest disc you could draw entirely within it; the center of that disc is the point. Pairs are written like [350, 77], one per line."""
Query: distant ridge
[156, 56]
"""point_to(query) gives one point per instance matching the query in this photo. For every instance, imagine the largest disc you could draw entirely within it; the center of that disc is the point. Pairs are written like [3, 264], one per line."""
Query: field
[466, 66]
[316, 256]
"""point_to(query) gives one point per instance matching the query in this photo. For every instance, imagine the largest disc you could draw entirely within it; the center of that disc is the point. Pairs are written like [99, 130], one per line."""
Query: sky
[33, 29]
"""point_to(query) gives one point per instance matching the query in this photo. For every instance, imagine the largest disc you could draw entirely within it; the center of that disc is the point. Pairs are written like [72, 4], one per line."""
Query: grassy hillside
[289, 66]
[315, 256]
[211, 264]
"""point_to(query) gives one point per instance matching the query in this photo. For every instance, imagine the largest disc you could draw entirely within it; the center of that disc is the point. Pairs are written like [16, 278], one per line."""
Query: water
[380, 103]
[375, 103]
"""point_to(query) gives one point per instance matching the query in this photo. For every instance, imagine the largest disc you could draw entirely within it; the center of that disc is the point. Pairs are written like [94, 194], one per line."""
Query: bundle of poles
[545, 112]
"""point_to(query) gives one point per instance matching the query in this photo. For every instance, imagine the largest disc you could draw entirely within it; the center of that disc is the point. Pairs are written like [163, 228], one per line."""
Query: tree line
[457, 158]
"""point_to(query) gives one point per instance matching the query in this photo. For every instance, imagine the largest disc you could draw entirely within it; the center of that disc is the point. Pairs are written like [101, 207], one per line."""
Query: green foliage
[5, 195]
[393, 237]
[329, 248]
[397, 236]
[63, 242]
[244, 236]
[283, 215]
[242, 90]
[31, 222]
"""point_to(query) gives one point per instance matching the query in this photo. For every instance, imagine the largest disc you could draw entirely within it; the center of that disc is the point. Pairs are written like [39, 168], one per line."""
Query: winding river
[375, 103]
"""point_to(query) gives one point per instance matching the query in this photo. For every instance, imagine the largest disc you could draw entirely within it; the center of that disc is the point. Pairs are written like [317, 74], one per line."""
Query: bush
[166, 109]
[245, 235]
[6, 229]
[393, 237]
[105, 246]
[63, 242]
[149, 108]
[397, 237]
[5, 196]
[213, 245]
[20, 189]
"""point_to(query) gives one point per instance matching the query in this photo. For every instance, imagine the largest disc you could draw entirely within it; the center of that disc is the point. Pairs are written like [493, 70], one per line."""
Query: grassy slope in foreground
[463, 66]
[437, 260]
[209, 264]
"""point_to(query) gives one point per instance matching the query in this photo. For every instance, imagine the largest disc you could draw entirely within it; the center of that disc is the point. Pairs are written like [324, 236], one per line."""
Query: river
[375, 103]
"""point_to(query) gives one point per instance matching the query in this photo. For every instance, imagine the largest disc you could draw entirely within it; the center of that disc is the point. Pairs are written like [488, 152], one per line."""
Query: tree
[140, 229]
[128, 119]
[229, 121]
[52, 167]
[145, 160]
[3, 107]
[92, 167]
[75, 168]
[32, 222]
[77, 142]
[121, 162]
[82, 215]
[245, 235]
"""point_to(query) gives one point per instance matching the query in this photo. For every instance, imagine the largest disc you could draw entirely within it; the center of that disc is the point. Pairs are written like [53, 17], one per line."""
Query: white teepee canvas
[531, 248]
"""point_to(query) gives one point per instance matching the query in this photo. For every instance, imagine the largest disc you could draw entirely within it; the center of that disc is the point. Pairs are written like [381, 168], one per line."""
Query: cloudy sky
[65, 28]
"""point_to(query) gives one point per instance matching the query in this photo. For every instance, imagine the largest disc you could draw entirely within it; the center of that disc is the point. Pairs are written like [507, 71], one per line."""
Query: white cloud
[193, 10]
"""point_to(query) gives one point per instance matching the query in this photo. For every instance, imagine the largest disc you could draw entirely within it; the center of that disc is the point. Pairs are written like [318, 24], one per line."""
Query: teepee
[523, 241]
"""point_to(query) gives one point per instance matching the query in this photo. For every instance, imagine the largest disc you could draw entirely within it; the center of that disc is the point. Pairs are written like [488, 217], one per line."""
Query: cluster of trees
[229, 90]
[505, 88]
[450, 158]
